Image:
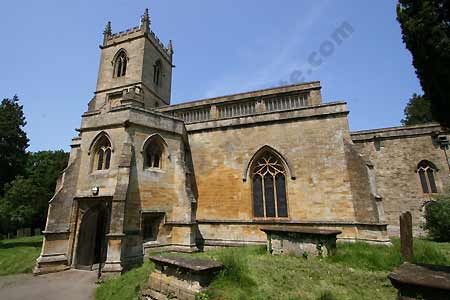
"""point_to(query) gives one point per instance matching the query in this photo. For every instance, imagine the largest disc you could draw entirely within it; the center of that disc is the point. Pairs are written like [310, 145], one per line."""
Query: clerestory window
[269, 187]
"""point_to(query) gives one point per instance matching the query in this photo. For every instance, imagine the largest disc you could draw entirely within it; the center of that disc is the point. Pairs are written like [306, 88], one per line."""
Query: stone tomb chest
[297, 241]
[427, 282]
[179, 278]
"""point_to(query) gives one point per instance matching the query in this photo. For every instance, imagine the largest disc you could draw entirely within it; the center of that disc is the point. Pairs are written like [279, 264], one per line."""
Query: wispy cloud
[281, 64]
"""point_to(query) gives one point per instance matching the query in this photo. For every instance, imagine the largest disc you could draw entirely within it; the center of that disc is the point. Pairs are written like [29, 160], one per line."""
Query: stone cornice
[290, 222]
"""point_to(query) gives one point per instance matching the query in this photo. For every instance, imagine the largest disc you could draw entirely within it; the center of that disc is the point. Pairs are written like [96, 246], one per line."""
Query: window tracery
[120, 64]
[269, 187]
[427, 172]
[103, 153]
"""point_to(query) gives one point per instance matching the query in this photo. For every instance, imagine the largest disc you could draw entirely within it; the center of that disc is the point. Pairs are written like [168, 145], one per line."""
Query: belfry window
[427, 172]
[153, 154]
[269, 187]
[103, 152]
[120, 64]
[157, 72]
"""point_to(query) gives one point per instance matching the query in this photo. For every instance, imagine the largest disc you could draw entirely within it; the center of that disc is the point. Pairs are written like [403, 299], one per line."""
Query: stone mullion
[275, 198]
[263, 195]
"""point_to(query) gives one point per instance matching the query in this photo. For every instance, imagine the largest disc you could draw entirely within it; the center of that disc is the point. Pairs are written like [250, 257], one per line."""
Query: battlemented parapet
[113, 39]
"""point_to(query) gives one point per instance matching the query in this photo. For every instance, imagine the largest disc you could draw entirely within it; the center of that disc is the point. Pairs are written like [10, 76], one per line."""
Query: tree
[22, 201]
[13, 140]
[426, 33]
[25, 199]
[418, 111]
[44, 168]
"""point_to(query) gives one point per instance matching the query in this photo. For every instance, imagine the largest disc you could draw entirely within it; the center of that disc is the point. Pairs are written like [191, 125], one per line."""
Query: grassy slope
[19, 255]
[359, 271]
[126, 286]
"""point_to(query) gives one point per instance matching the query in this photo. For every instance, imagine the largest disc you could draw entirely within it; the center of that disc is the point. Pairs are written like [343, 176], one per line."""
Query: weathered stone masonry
[147, 176]
[395, 154]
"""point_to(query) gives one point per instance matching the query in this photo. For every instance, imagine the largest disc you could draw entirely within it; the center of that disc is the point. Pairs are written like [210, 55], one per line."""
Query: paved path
[68, 285]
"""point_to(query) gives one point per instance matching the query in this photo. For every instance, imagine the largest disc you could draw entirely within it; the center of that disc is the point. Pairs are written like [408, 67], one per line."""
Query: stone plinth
[288, 240]
[428, 282]
[179, 278]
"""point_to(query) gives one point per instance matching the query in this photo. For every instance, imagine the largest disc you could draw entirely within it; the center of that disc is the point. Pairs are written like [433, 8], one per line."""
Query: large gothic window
[154, 153]
[103, 153]
[427, 171]
[120, 64]
[157, 73]
[269, 187]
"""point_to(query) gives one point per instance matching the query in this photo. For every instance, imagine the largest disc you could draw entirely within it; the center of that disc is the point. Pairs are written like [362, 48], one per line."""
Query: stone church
[145, 175]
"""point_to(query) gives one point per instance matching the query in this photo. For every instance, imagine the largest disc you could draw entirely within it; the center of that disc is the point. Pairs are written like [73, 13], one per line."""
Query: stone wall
[311, 140]
[395, 154]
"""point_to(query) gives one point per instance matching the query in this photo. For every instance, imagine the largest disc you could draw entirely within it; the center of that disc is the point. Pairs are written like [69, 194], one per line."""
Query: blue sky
[50, 54]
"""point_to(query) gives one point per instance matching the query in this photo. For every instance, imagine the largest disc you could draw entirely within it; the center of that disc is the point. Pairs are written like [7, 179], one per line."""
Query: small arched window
[269, 187]
[154, 153]
[120, 64]
[427, 171]
[157, 72]
[103, 150]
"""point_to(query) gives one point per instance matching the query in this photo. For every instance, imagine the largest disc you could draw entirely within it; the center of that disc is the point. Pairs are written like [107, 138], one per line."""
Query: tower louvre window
[157, 73]
[427, 171]
[120, 64]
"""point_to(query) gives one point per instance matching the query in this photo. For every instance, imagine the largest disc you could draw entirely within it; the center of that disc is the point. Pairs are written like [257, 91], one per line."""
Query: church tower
[135, 68]
[127, 185]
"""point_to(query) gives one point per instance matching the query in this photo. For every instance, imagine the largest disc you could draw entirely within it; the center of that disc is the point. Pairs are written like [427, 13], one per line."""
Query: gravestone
[20, 232]
[27, 232]
[406, 236]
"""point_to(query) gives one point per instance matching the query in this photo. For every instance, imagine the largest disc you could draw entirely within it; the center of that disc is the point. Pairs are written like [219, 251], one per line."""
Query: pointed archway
[91, 245]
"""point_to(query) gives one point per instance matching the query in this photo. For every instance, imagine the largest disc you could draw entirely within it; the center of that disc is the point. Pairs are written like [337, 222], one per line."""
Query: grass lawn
[359, 272]
[19, 255]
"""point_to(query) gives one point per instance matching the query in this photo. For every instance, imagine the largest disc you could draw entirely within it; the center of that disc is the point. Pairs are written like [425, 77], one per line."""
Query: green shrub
[437, 219]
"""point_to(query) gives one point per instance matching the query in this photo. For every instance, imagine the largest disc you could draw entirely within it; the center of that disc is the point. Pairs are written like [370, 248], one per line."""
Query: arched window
[426, 171]
[157, 72]
[120, 64]
[154, 153]
[269, 187]
[103, 150]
